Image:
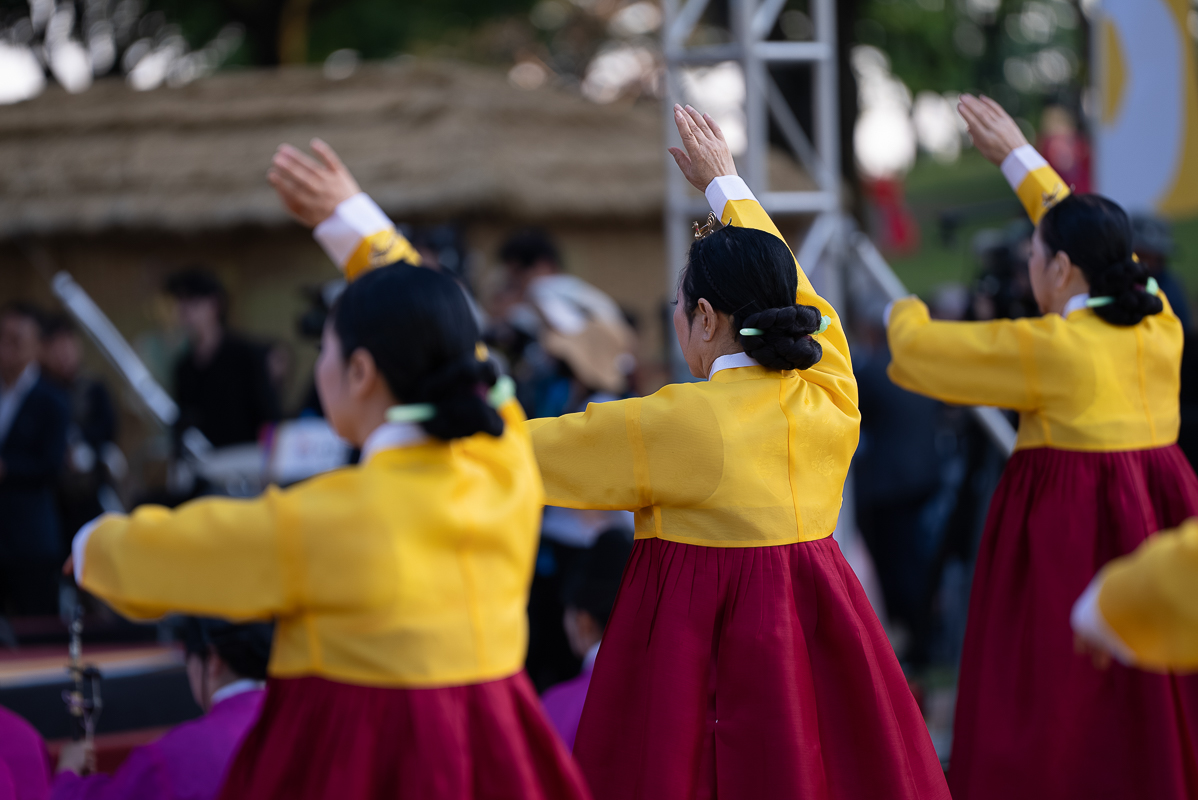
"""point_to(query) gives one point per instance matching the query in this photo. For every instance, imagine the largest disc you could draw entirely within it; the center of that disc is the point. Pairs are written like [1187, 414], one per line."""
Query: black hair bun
[1125, 285]
[459, 393]
[786, 340]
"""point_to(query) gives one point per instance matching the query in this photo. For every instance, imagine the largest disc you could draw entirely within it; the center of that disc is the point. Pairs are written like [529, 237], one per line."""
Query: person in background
[897, 476]
[24, 764]
[1065, 148]
[588, 596]
[34, 416]
[564, 338]
[226, 668]
[222, 382]
[91, 435]
[1152, 240]
[1142, 609]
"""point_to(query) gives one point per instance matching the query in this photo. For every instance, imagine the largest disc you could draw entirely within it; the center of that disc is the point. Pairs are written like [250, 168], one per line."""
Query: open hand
[995, 134]
[706, 156]
[74, 757]
[1085, 646]
[310, 189]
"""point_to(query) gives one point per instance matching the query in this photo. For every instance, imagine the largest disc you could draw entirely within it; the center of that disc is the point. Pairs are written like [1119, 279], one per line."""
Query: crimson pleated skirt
[318, 738]
[756, 673]
[1034, 719]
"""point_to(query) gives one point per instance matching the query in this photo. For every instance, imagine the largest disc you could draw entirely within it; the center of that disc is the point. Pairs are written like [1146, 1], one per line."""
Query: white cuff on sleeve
[1019, 162]
[79, 546]
[725, 188]
[886, 313]
[1087, 620]
[352, 221]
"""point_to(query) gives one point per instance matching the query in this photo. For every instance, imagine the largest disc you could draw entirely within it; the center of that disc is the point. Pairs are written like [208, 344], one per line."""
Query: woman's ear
[1060, 269]
[708, 319]
[361, 373]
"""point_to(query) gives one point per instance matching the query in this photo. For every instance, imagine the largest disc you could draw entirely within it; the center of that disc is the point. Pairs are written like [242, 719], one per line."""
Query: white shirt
[235, 688]
[11, 397]
[389, 436]
[1075, 303]
[731, 361]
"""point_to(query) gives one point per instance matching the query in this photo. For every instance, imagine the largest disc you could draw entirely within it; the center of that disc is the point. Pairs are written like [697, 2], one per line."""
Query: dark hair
[525, 248]
[245, 647]
[199, 283]
[1096, 235]
[750, 275]
[593, 580]
[417, 326]
[23, 310]
[58, 325]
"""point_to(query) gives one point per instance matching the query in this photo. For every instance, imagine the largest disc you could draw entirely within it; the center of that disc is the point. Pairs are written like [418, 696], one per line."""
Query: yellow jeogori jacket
[411, 570]
[1079, 383]
[1150, 599]
[753, 457]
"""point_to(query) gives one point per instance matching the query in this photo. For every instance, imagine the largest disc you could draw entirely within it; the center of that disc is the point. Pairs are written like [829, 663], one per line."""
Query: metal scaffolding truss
[833, 246]
[750, 25]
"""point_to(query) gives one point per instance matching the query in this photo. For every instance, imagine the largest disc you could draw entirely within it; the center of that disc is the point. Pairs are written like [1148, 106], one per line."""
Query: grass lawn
[974, 190]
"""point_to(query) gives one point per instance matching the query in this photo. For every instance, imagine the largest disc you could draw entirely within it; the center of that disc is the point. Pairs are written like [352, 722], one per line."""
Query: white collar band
[731, 361]
[389, 436]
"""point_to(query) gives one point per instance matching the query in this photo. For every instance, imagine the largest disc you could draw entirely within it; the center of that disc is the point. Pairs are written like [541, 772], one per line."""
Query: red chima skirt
[318, 738]
[756, 673]
[1034, 719]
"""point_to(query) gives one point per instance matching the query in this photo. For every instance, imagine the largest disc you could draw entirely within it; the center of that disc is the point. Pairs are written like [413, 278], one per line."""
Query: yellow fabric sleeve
[968, 363]
[211, 557]
[631, 454]
[834, 371]
[379, 250]
[1150, 599]
[1040, 190]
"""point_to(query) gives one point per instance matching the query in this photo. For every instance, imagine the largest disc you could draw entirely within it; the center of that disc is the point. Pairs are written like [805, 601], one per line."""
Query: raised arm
[968, 363]
[707, 163]
[323, 195]
[998, 138]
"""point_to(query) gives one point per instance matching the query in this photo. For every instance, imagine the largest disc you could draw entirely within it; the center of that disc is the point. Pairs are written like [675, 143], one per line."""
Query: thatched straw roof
[425, 138]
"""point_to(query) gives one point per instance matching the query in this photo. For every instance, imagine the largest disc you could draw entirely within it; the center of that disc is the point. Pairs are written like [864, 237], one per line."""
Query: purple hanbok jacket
[189, 763]
[563, 702]
[24, 765]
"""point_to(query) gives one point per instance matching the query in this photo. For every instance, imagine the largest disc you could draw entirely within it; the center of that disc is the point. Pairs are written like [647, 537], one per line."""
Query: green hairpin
[752, 332]
[503, 390]
[824, 322]
[1099, 302]
[415, 412]
[1152, 287]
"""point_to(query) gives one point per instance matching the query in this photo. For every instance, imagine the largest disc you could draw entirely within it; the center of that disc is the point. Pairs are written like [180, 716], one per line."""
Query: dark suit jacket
[32, 454]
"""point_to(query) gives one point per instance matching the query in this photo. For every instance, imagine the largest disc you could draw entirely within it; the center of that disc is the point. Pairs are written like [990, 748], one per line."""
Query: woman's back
[410, 570]
[753, 457]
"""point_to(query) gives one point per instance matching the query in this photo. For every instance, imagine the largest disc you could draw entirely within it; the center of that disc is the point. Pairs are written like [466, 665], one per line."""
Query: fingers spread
[327, 155]
[298, 170]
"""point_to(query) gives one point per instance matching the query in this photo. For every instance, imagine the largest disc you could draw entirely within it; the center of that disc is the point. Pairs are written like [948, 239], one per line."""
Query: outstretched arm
[323, 195]
[1142, 608]
[998, 138]
[707, 163]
